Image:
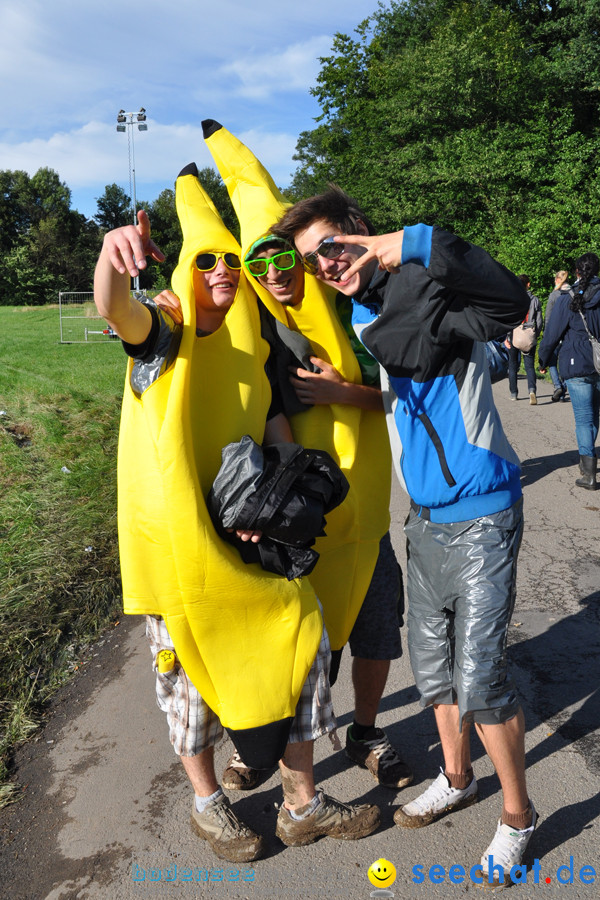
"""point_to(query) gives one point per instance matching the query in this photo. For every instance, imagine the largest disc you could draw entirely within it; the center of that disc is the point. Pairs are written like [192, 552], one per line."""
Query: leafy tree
[15, 202]
[46, 246]
[478, 115]
[50, 197]
[114, 208]
[22, 282]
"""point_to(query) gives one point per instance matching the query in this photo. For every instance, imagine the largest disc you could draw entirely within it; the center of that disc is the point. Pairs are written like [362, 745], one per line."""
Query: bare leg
[368, 677]
[505, 745]
[215, 821]
[455, 744]
[297, 778]
[200, 770]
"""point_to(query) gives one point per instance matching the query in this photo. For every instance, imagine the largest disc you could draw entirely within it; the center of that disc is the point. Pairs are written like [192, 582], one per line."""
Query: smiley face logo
[382, 873]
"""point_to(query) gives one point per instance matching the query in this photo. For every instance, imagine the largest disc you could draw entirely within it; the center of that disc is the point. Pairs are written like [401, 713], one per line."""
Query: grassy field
[59, 414]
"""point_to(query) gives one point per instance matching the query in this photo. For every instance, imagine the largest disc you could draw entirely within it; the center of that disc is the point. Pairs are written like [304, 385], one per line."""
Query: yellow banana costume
[245, 637]
[356, 439]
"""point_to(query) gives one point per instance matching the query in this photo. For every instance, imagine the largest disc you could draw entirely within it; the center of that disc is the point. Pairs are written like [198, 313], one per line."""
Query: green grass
[59, 575]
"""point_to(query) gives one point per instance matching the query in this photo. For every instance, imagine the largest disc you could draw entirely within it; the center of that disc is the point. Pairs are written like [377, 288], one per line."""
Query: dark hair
[586, 267]
[333, 205]
[525, 279]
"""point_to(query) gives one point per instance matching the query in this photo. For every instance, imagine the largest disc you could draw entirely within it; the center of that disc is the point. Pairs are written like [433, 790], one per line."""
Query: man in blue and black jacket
[425, 302]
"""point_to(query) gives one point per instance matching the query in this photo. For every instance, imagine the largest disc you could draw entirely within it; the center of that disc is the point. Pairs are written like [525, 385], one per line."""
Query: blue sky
[68, 67]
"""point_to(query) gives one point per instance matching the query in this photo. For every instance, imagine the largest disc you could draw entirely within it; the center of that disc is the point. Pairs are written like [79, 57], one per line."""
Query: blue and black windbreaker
[427, 326]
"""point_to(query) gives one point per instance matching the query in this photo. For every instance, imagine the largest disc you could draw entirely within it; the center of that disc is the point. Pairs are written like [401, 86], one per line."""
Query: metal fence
[79, 319]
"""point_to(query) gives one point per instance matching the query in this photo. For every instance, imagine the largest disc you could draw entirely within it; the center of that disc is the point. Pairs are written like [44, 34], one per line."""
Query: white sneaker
[506, 850]
[438, 799]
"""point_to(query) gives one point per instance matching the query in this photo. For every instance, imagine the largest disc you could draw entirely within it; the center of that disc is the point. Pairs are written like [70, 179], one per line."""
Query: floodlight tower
[125, 122]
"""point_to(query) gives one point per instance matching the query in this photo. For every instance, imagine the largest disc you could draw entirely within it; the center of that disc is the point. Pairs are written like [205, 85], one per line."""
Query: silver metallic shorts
[461, 586]
[193, 726]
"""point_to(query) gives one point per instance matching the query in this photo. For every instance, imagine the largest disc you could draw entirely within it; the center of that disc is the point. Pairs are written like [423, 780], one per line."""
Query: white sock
[309, 809]
[202, 802]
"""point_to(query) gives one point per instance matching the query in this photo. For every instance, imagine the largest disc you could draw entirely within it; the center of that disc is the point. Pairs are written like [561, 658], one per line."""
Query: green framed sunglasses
[284, 260]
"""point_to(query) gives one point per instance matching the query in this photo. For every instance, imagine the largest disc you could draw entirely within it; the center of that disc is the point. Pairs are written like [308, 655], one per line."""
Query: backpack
[524, 337]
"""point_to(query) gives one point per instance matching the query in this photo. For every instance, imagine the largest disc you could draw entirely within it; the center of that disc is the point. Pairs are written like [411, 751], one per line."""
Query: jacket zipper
[439, 448]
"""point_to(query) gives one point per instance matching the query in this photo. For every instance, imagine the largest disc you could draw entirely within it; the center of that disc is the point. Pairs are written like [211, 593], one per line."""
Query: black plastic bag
[282, 490]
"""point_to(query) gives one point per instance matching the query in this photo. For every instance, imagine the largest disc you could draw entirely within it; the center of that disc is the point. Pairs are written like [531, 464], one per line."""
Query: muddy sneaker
[506, 850]
[331, 818]
[227, 835]
[237, 776]
[439, 798]
[532, 398]
[378, 756]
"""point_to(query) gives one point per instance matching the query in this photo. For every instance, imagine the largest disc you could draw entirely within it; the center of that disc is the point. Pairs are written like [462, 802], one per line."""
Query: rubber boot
[588, 466]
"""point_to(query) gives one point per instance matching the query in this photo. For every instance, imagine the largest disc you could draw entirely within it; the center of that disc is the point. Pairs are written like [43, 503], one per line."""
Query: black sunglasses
[328, 249]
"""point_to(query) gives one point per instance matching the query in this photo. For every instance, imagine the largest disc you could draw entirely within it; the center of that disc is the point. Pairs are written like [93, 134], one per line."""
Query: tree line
[480, 116]
[47, 247]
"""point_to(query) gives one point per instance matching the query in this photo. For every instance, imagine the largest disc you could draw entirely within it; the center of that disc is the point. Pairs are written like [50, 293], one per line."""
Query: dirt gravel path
[105, 807]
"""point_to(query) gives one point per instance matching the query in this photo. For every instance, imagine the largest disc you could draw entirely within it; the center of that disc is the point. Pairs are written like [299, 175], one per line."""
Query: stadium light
[125, 122]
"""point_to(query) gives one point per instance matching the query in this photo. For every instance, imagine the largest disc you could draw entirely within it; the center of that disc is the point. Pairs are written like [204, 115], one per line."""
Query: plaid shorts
[194, 727]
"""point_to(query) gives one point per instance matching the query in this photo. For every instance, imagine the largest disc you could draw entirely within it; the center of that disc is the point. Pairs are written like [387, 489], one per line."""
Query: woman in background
[533, 324]
[561, 283]
[575, 359]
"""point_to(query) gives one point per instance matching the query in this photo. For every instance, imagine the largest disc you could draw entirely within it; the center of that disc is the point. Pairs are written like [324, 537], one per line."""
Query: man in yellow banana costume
[234, 646]
[357, 578]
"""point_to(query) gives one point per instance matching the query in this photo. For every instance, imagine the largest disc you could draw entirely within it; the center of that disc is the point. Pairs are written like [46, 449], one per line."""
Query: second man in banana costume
[357, 578]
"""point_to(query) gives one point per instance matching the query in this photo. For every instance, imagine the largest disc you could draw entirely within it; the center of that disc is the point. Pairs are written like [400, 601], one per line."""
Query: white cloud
[96, 155]
[295, 68]
[68, 66]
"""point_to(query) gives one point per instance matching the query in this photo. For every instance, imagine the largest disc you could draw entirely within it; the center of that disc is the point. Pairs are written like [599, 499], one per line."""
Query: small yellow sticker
[382, 873]
[165, 661]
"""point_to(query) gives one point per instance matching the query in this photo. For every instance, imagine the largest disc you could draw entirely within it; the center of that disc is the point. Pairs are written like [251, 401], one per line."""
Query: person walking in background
[524, 340]
[560, 284]
[575, 313]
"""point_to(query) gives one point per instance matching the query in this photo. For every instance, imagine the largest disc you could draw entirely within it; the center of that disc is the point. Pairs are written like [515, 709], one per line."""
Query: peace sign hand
[385, 248]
